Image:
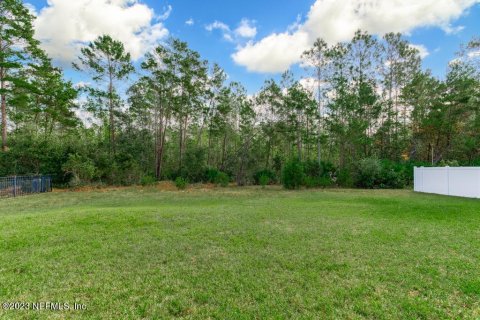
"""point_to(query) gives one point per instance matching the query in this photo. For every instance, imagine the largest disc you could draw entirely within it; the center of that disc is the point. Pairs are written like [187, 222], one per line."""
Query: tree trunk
[180, 145]
[4, 115]
[269, 147]
[320, 115]
[209, 153]
[241, 169]
[112, 118]
[159, 124]
[183, 131]
[224, 150]
[159, 159]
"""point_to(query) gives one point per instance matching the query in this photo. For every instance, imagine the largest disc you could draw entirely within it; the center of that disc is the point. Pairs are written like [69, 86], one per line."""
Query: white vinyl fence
[451, 181]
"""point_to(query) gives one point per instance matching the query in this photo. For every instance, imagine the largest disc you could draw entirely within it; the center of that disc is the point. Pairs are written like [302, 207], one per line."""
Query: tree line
[364, 114]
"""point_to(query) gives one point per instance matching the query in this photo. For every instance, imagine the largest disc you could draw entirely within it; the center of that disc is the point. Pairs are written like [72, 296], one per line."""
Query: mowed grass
[241, 254]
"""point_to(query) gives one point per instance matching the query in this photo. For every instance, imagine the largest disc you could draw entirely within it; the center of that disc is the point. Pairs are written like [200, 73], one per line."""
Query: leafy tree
[53, 98]
[106, 60]
[293, 174]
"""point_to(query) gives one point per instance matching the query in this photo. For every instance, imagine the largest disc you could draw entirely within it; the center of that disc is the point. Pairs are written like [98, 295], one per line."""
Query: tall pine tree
[17, 46]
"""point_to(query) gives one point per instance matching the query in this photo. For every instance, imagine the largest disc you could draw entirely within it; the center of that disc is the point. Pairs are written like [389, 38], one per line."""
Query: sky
[253, 40]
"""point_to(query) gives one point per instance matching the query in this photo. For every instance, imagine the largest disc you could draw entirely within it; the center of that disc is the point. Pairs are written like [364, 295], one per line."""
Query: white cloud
[63, 25]
[453, 30]
[337, 20]
[166, 14]
[422, 50]
[190, 22]
[217, 25]
[296, 25]
[246, 29]
[225, 29]
[274, 53]
[82, 84]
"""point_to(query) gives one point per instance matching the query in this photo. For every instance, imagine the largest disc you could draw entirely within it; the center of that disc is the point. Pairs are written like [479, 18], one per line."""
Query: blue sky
[272, 33]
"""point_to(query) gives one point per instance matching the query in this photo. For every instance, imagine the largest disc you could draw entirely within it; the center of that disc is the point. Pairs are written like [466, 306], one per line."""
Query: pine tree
[107, 62]
[17, 46]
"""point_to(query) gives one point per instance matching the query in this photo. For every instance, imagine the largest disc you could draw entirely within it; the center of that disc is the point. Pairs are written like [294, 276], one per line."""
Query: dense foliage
[368, 116]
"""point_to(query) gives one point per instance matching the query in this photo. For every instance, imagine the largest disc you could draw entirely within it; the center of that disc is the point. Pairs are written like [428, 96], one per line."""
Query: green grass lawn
[242, 254]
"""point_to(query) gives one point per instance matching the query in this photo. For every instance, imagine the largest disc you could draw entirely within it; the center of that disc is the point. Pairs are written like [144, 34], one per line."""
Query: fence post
[14, 186]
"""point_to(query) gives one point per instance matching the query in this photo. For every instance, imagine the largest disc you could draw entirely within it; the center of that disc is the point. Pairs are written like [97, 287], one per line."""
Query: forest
[363, 114]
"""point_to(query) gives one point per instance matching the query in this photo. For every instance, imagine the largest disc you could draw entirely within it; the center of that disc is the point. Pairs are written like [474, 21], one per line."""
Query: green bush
[264, 180]
[277, 164]
[293, 175]
[324, 182]
[181, 183]
[344, 178]
[328, 170]
[148, 181]
[81, 169]
[449, 163]
[391, 179]
[317, 182]
[373, 173]
[313, 168]
[393, 175]
[193, 167]
[310, 182]
[368, 173]
[222, 179]
[211, 175]
[272, 177]
[318, 174]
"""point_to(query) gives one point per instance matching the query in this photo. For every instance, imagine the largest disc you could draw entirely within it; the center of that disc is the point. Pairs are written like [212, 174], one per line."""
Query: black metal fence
[18, 186]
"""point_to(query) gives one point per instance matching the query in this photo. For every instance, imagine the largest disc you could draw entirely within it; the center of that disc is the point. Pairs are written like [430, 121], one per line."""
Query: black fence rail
[18, 186]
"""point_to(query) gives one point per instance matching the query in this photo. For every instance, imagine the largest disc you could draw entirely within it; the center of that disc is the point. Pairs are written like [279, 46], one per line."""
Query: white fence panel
[458, 181]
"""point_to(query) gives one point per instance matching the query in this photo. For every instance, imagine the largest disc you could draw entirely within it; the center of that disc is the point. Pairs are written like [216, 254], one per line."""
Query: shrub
[293, 174]
[317, 182]
[193, 167]
[328, 170]
[449, 163]
[324, 182]
[277, 163]
[181, 183]
[393, 175]
[264, 180]
[391, 179]
[148, 181]
[368, 173]
[313, 168]
[309, 182]
[318, 174]
[128, 174]
[80, 168]
[272, 177]
[211, 175]
[222, 179]
[344, 178]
